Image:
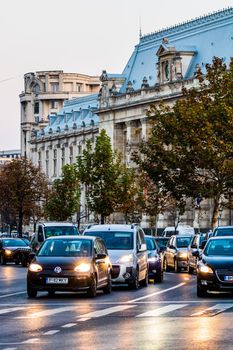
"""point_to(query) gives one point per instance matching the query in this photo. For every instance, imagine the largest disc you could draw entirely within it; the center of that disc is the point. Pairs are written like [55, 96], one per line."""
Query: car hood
[115, 255]
[15, 248]
[50, 263]
[218, 262]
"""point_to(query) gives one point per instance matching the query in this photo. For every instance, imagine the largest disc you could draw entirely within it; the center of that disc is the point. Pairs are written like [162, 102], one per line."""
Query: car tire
[24, 262]
[144, 283]
[176, 267]
[92, 289]
[2, 260]
[158, 278]
[201, 291]
[135, 283]
[32, 292]
[51, 293]
[108, 288]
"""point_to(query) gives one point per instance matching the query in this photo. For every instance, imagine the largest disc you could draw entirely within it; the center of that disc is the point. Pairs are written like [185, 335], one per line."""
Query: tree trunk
[214, 220]
[102, 218]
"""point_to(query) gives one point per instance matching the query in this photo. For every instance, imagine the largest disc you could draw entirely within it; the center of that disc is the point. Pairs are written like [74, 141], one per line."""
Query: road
[161, 316]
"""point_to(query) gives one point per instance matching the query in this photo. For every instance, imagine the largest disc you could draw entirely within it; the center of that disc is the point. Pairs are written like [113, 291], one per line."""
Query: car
[70, 263]
[179, 230]
[195, 245]
[155, 271]
[215, 268]
[176, 254]
[126, 245]
[14, 250]
[49, 229]
[223, 231]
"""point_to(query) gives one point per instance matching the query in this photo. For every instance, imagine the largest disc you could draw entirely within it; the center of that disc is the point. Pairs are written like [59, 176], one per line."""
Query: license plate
[56, 280]
[228, 278]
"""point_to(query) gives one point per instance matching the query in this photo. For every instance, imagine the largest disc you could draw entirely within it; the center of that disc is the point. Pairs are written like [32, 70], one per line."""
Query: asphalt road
[161, 316]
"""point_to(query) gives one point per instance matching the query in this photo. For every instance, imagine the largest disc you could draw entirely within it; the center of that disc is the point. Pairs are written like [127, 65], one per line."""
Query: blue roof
[208, 36]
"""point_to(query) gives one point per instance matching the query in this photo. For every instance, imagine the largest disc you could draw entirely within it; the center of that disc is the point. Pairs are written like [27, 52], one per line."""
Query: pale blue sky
[84, 36]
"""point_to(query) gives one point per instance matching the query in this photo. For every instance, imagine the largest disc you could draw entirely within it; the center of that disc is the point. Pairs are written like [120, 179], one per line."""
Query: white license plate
[228, 278]
[56, 280]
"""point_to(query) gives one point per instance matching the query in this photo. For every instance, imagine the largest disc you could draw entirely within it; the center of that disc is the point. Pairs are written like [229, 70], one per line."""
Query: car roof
[219, 238]
[73, 237]
[111, 227]
[222, 227]
[56, 223]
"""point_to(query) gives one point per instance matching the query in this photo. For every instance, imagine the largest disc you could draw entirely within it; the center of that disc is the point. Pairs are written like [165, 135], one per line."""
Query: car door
[99, 249]
[169, 252]
[142, 255]
[193, 259]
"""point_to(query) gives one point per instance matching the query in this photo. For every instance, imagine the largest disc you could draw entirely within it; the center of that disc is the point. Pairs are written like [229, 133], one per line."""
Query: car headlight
[205, 268]
[35, 267]
[8, 252]
[153, 259]
[83, 267]
[126, 259]
[182, 254]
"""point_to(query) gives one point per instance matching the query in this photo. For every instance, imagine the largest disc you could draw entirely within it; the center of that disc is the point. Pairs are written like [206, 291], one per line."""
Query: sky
[83, 36]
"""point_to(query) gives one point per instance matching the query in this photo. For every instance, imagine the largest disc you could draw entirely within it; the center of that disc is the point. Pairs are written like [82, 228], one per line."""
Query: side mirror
[101, 256]
[196, 253]
[203, 244]
[142, 247]
[172, 247]
[31, 256]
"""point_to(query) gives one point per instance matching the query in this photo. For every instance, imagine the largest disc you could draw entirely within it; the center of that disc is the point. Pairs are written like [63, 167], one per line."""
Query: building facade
[161, 64]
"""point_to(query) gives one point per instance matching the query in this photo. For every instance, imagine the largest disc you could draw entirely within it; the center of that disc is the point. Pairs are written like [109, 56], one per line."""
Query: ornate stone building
[160, 65]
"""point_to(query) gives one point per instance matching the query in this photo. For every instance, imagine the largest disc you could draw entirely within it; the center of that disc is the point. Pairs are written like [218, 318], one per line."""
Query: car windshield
[183, 242]
[65, 247]
[219, 247]
[228, 231]
[162, 243]
[53, 231]
[14, 243]
[115, 240]
[150, 243]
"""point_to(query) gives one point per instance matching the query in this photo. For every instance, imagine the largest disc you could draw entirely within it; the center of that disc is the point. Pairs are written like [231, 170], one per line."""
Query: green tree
[190, 149]
[63, 199]
[22, 188]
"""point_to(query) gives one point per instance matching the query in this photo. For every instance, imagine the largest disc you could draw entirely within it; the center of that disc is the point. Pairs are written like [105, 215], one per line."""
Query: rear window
[183, 242]
[114, 240]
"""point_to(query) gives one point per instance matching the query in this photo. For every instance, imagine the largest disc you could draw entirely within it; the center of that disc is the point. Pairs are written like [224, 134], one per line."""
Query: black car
[14, 250]
[215, 269]
[70, 264]
[155, 270]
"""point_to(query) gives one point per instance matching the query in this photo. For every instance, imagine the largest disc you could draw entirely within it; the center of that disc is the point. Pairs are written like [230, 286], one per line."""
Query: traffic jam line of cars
[110, 254]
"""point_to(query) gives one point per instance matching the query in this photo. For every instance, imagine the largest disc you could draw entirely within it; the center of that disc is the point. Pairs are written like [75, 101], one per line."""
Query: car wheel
[108, 288]
[17, 262]
[92, 289]
[51, 293]
[158, 278]
[144, 283]
[2, 260]
[24, 262]
[32, 292]
[201, 291]
[135, 283]
[176, 267]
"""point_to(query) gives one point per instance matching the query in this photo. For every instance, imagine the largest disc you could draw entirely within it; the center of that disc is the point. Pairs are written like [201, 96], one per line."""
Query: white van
[180, 230]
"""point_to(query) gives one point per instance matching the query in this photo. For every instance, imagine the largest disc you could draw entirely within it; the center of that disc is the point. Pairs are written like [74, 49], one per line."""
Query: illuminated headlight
[153, 259]
[35, 267]
[126, 259]
[205, 268]
[8, 252]
[83, 268]
[182, 255]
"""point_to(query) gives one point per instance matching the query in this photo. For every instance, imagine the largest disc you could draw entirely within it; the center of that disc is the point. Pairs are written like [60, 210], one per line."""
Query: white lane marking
[162, 310]
[5, 311]
[52, 332]
[69, 325]
[213, 310]
[83, 319]
[10, 349]
[30, 341]
[49, 312]
[109, 310]
[12, 294]
[157, 293]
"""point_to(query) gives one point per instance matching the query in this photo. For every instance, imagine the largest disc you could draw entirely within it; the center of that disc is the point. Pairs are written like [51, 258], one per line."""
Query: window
[36, 108]
[55, 162]
[39, 160]
[63, 156]
[47, 163]
[54, 104]
[55, 87]
[71, 155]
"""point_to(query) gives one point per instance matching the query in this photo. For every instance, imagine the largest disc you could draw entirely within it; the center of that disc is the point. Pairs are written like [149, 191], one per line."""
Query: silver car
[127, 251]
[176, 254]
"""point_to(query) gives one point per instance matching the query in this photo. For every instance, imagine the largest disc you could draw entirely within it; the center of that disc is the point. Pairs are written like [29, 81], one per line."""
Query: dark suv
[176, 254]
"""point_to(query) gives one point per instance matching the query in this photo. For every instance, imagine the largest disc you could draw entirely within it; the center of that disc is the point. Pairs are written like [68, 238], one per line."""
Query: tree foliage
[22, 188]
[190, 150]
[63, 199]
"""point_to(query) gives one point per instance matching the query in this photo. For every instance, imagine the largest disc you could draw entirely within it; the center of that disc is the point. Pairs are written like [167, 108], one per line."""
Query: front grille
[224, 272]
[115, 271]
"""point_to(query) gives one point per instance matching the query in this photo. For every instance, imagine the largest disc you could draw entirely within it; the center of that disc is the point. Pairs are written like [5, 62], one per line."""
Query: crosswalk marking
[69, 325]
[49, 312]
[162, 310]
[109, 310]
[213, 310]
[12, 309]
[52, 332]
